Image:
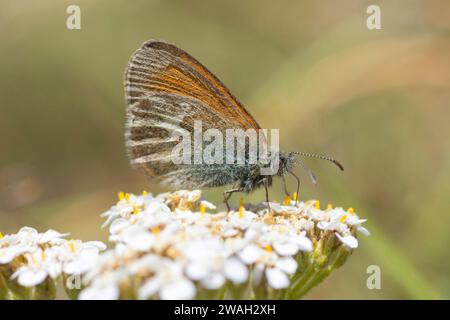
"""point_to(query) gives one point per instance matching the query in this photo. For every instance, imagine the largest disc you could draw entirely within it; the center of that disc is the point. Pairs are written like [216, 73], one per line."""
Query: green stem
[335, 260]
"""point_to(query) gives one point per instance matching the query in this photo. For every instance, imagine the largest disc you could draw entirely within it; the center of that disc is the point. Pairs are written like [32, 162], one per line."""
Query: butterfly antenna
[317, 156]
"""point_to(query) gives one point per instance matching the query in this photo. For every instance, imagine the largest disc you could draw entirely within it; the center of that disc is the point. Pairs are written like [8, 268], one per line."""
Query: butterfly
[166, 91]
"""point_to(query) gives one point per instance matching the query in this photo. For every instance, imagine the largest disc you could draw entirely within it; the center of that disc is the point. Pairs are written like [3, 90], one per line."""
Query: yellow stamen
[135, 209]
[155, 230]
[287, 201]
[144, 193]
[241, 202]
[351, 210]
[329, 206]
[295, 196]
[342, 219]
[241, 211]
[1, 235]
[127, 197]
[269, 248]
[43, 255]
[317, 205]
[71, 246]
[121, 195]
[202, 208]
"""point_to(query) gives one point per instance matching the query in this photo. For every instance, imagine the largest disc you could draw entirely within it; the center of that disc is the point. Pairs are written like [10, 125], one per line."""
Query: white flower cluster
[170, 247]
[30, 257]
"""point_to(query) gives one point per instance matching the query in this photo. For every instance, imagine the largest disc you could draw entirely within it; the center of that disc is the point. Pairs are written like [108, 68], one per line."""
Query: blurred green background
[379, 101]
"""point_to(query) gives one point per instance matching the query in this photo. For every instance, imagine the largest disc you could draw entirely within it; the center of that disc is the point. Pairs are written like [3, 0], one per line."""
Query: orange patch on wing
[241, 114]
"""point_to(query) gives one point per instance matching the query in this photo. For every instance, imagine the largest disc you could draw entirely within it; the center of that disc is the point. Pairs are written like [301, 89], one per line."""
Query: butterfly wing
[166, 91]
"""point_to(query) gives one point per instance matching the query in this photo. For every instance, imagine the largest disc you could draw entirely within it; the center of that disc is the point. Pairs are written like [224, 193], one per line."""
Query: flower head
[171, 246]
[34, 259]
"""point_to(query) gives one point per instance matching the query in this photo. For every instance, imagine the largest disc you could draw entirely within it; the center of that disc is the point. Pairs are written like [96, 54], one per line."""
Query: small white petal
[156, 206]
[252, 234]
[250, 254]
[287, 264]
[179, 290]
[194, 195]
[349, 241]
[304, 243]
[119, 225]
[149, 288]
[322, 225]
[363, 230]
[196, 271]
[51, 235]
[214, 281]
[96, 244]
[54, 269]
[8, 254]
[231, 232]
[285, 249]
[139, 240]
[84, 261]
[333, 224]
[27, 231]
[276, 278]
[235, 270]
[28, 278]
[71, 267]
[257, 274]
[208, 205]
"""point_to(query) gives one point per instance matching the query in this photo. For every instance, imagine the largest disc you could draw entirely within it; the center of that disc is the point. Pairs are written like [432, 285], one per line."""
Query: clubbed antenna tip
[311, 155]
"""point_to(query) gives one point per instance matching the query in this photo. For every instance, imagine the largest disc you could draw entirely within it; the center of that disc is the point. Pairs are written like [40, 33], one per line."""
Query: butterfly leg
[284, 186]
[227, 194]
[266, 187]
